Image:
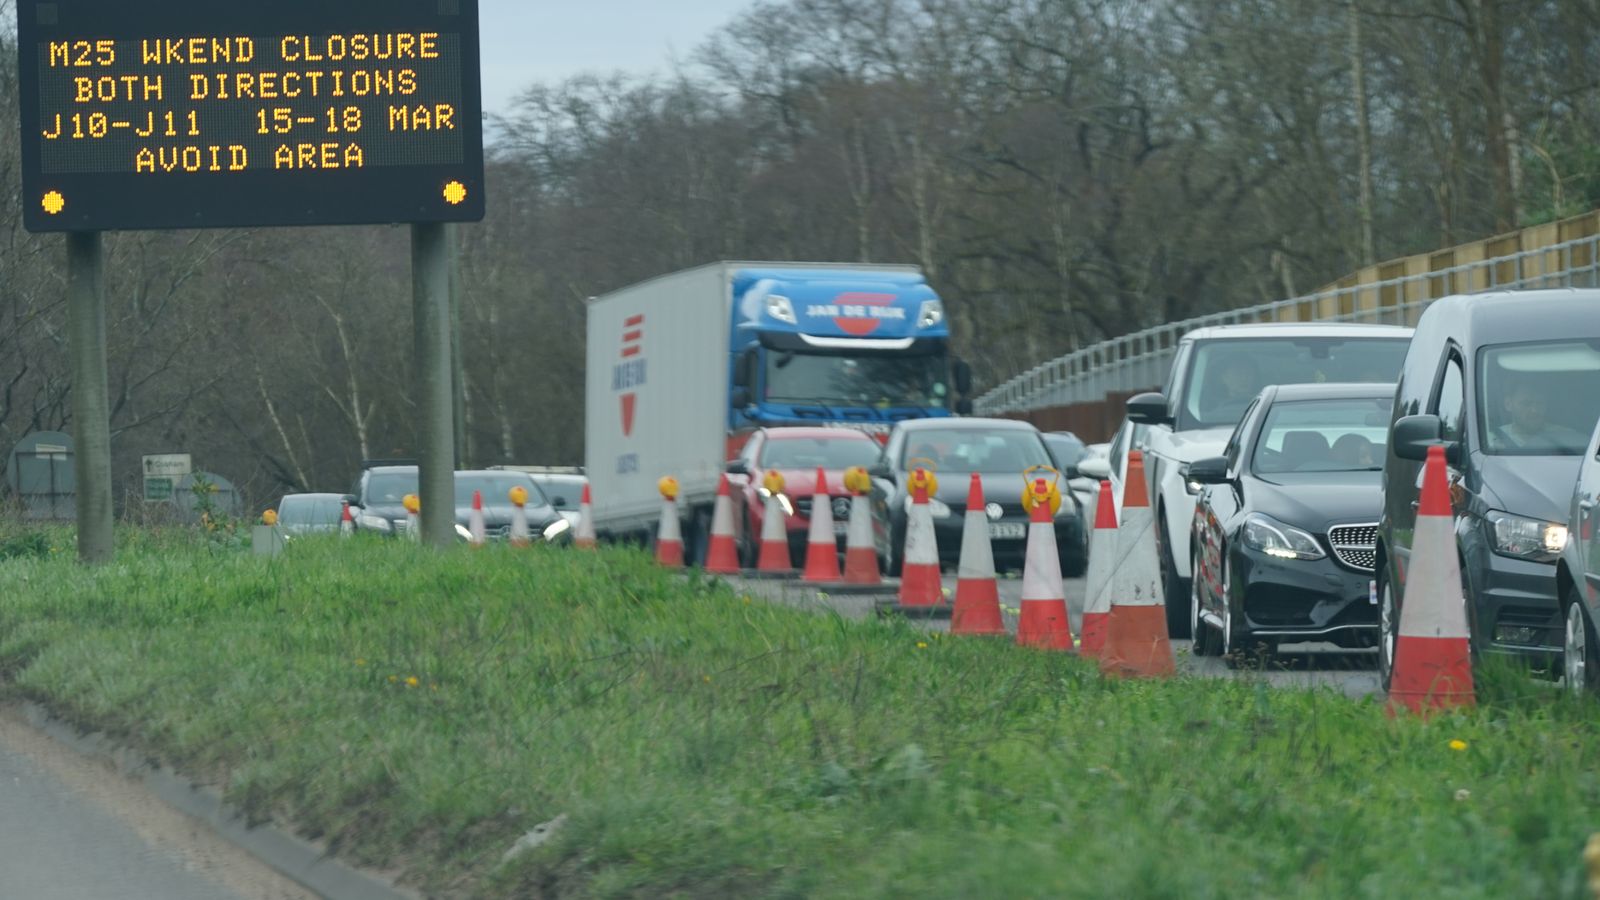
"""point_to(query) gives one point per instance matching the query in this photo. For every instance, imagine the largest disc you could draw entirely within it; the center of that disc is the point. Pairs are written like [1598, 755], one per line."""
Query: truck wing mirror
[963, 375]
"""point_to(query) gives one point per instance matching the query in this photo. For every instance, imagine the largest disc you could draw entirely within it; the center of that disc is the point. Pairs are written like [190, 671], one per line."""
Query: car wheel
[897, 541]
[1239, 651]
[1580, 663]
[1388, 627]
[749, 546]
[1207, 642]
[1172, 587]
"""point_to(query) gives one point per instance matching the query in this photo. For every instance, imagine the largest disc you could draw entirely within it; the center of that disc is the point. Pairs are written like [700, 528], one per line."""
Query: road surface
[73, 829]
[1303, 665]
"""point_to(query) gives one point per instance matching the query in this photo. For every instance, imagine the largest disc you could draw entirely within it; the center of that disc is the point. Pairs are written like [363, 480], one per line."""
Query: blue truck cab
[862, 348]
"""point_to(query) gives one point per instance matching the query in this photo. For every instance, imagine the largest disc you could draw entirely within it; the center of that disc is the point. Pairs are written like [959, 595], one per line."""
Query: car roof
[1333, 391]
[966, 424]
[1297, 329]
[803, 432]
[1503, 317]
[392, 470]
[313, 495]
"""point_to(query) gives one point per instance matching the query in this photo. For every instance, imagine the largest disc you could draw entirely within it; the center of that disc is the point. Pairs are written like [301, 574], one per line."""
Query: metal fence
[1140, 360]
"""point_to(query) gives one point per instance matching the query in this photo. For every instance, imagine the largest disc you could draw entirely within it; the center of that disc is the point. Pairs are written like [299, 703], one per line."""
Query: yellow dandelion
[393, 678]
[706, 678]
[412, 681]
[922, 645]
[361, 662]
[1458, 744]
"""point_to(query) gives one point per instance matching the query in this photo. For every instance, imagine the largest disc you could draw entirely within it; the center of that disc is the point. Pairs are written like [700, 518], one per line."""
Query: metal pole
[91, 408]
[458, 372]
[430, 286]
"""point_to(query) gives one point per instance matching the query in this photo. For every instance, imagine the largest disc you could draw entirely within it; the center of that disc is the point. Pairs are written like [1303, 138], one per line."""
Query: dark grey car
[1509, 384]
[380, 494]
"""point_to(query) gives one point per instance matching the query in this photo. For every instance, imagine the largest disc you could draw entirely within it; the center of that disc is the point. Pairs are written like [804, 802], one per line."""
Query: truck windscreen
[870, 380]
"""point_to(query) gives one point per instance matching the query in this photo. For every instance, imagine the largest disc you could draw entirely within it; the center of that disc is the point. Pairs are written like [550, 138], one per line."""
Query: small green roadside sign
[158, 490]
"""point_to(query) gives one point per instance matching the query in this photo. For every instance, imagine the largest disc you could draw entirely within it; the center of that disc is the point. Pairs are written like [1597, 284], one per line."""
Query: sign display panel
[191, 114]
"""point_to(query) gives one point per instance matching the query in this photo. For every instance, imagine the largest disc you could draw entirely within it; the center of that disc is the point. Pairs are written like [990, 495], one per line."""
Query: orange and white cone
[585, 536]
[413, 507]
[347, 523]
[774, 560]
[921, 587]
[822, 553]
[475, 528]
[977, 610]
[1432, 653]
[1044, 621]
[1136, 631]
[861, 551]
[519, 517]
[722, 555]
[669, 539]
[1102, 564]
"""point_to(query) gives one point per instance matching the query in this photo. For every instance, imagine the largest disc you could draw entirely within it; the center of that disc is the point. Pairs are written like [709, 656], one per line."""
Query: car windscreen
[1225, 375]
[875, 381]
[568, 489]
[1068, 451]
[389, 488]
[1324, 436]
[970, 450]
[1538, 399]
[809, 453]
[310, 510]
[497, 489]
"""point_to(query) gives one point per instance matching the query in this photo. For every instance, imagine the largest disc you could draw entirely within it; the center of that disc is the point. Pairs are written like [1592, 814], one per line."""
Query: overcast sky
[525, 41]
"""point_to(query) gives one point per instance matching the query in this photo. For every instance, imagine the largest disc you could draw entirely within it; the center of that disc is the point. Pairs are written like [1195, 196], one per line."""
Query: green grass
[706, 746]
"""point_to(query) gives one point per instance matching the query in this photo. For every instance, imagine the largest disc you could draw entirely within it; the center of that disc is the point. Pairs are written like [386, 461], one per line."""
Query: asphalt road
[1295, 665]
[71, 829]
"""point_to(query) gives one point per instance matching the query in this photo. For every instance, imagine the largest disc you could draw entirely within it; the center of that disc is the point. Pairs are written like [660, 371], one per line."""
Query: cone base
[1431, 673]
[1094, 634]
[1136, 643]
[977, 609]
[586, 544]
[861, 567]
[921, 585]
[1045, 624]
[670, 554]
[770, 574]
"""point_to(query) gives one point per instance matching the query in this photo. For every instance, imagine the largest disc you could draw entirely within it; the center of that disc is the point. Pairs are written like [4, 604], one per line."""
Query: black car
[1509, 384]
[1286, 521]
[999, 450]
[378, 502]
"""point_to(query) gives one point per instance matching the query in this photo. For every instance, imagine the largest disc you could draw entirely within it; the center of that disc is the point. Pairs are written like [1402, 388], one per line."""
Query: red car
[796, 453]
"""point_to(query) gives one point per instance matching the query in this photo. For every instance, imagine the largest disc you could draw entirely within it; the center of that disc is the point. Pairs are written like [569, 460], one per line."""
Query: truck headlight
[781, 309]
[375, 523]
[931, 314]
[1524, 538]
[1276, 539]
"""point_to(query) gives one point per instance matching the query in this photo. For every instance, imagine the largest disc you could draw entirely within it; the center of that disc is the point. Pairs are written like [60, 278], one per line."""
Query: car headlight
[781, 309]
[1525, 538]
[1276, 539]
[783, 500]
[936, 507]
[931, 314]
[462, 532]
[375, 523]
[556, 529]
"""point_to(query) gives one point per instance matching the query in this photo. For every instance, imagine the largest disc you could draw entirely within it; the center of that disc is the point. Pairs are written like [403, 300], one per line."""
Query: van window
[1452, 403]
[1539, 399]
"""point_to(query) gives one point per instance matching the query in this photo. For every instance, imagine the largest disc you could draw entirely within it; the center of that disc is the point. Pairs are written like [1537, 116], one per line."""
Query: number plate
[840, 528]
[1007, 530]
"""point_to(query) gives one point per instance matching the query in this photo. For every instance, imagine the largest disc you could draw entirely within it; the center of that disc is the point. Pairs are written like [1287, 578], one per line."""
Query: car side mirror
[964, 407]
[880, 470]
[1212, 470]
[963, 376]
[1149, 409]
[1098, 468]
[738, 467]
[1413, 435]
[558, 502]
[1070, 472]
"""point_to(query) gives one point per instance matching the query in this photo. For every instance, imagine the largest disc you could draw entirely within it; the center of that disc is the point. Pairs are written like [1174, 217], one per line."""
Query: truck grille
[1355, 546]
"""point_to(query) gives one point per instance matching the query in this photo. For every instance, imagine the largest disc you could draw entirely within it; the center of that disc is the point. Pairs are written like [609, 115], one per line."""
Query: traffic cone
[1044, 621]
[861, 551]
[669, 539]
[519, 517]
[977, 609]
[347, 523]
[1102, 563]
[413, 507]
[774, 560]
[1432, 653]
[475, 528]
[822, 554]
[1136, 630]
[722, 555]
[585, 537]
[921, 585]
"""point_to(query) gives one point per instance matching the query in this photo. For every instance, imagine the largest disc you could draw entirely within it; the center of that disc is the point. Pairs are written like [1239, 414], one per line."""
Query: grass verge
[422, 710]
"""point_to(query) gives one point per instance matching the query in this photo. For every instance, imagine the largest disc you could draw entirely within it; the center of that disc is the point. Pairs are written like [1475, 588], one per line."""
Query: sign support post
[91, 417]
[436, 426]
